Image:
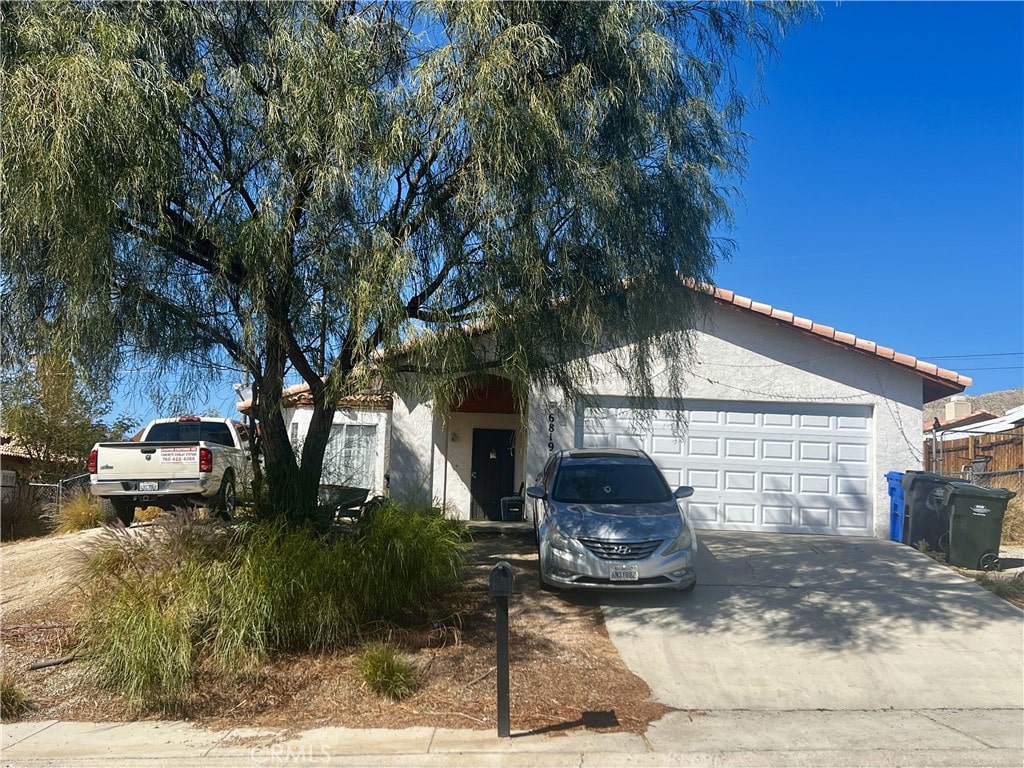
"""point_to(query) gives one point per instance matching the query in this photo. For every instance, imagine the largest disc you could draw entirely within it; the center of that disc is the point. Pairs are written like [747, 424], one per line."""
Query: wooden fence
[995, 460]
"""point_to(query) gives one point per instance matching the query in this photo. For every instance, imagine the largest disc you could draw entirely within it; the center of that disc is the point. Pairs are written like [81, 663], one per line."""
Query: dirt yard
[565, 672]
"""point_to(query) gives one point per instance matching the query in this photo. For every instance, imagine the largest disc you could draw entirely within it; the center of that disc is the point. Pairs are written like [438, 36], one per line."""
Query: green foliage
[385, 673]
[77, 513]
[13, 700]
[407, 559]
[309, 186]
[54, 417]
[191, 594]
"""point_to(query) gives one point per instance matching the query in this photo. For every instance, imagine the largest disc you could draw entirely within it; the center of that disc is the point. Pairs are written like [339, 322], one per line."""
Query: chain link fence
[27, 509]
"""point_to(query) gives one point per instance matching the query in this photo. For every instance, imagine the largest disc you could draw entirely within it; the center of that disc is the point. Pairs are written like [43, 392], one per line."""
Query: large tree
[300, 188]
[48, 413]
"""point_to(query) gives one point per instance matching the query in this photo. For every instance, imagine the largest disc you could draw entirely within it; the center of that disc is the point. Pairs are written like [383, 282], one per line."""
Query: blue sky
[884, 193]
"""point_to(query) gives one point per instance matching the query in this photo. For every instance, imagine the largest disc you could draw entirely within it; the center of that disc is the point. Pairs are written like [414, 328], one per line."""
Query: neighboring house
[979, 445]
[14, 459]
[789, 426]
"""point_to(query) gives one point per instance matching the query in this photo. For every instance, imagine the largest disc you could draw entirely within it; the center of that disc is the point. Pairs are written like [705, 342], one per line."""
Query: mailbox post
[499, 586]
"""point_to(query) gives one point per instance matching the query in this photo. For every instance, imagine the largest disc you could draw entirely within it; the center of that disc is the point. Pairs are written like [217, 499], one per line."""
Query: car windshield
[610, 482]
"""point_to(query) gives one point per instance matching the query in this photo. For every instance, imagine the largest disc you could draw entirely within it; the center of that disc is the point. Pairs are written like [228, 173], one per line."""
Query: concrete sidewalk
[723, 738]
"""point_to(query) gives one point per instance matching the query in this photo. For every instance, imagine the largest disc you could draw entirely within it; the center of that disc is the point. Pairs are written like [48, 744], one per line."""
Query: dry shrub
[80, 512]
[13, 700]
[1013, 522]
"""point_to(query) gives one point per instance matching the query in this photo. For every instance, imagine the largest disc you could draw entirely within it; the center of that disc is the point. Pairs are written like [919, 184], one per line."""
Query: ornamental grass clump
[385, 673]
[79, 512]
[407, 560]
[191, 596]
[13, 700]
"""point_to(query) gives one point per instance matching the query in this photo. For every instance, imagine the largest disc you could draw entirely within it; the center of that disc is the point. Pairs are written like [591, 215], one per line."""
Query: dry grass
[13, 700]
[1013, 522]
[80, 512]
[565, 672]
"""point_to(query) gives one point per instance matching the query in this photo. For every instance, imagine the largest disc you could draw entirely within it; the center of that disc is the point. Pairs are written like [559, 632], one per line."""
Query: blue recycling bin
[896, 505]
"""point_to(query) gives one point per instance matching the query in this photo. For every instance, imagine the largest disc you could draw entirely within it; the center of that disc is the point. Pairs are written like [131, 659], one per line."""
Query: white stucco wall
[416, 438]
[739, 357]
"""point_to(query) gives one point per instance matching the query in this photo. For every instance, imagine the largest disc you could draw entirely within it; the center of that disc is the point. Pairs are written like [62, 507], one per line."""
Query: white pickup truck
[183, 462]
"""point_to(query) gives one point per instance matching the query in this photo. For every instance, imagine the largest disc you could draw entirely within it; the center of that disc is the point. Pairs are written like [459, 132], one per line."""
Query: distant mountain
[993, 402]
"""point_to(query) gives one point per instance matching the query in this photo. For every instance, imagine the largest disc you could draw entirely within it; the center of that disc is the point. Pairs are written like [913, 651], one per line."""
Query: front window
[351, 456]
[610, 482]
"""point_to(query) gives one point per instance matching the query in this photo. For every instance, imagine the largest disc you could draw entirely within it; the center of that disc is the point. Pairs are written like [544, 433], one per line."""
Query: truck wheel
[225, 502]
[118, 510]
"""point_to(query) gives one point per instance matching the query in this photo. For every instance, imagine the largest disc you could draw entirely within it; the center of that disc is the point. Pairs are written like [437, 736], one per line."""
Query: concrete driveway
[787, 622]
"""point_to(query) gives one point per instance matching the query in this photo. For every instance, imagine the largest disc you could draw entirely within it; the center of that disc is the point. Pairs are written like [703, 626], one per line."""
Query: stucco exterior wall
[416, 436]
[743, 358]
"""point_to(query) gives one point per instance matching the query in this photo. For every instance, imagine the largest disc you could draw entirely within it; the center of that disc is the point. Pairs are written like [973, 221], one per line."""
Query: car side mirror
[683, 492]
[536, 492]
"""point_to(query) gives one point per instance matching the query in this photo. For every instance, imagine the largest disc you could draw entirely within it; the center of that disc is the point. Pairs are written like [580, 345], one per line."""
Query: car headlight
[559, 540]
[683, 541]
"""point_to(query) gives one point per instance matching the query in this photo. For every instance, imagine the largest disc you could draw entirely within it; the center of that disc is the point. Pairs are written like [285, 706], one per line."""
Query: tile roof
[298, 396]
[939, 382]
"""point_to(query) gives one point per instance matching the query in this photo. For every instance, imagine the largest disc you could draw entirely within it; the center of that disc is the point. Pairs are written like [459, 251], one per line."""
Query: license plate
[625, 573]
[149, 485]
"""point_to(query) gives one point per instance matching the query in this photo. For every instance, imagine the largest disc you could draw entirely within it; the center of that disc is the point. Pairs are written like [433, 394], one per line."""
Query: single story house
[790, 426]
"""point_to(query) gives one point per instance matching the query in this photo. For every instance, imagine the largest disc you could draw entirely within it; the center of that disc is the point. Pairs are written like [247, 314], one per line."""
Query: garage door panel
[852, 519]
[853, 423]
[778, 516]
[856, 487]
[703, 479]
[704, 446]
[667, 446]
[704, 417]
[780, 420]
[740, 449]
[760, 466]
[815, 517]
[742, 419]
[740, 481]
[778, 449]
[815, 421]
[702, 512]
[740, 513]
[809, 484]
[782, 482]
[852, 453]
[815, 451]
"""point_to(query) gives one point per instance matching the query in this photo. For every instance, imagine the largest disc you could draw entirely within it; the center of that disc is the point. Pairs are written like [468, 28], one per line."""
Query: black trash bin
[925, 518]
[975, 524]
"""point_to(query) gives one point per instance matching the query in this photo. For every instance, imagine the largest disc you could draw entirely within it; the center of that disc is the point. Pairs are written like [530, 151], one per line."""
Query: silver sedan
[607, 518]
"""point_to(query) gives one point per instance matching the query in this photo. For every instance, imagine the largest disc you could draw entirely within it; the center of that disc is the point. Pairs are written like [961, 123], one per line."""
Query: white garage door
[756, 466]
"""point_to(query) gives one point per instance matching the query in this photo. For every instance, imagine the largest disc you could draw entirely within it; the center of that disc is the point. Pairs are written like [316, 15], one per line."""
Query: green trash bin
[975, 524]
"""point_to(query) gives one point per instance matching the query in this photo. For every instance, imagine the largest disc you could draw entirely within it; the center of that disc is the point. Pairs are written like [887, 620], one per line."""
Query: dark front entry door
[494, 467]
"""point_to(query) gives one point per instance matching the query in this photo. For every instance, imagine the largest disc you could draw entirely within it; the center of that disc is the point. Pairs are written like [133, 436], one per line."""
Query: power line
[973, 357]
